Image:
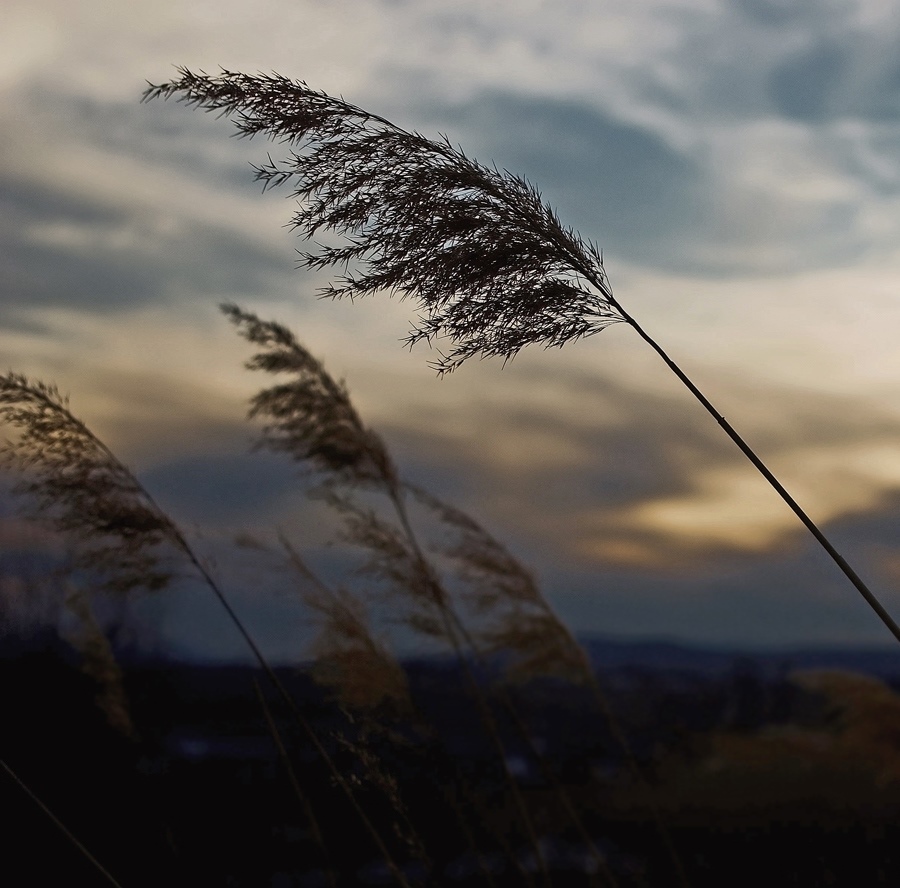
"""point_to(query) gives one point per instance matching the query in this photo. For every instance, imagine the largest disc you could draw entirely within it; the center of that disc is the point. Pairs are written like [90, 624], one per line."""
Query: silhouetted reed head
[488, 262]
[311, 417]
[75, 485]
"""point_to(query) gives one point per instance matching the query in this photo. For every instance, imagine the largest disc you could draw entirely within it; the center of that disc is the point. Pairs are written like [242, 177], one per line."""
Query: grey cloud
[620, 185]
[127, 259]
[839, 77]
[63, 246]
[803, 87]
[646, 203]
[759, 600]
[816, 15]
[162, 134]
[806, 60]
[771, 12]
[223, 489]
[795, 597]
[653, 449]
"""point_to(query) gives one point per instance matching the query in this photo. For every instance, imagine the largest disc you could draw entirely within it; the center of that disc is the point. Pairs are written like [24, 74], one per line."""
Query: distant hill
[607, 655]
[622, 653]
[666, 655]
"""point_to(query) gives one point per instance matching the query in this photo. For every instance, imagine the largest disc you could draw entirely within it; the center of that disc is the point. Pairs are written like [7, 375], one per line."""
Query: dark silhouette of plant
[125, 543]
[70, 836]
[78, 487]
[487, 261]
[311, 419]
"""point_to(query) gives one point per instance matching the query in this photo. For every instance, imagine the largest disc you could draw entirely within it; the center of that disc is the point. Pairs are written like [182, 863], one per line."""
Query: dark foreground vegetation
[760, 773]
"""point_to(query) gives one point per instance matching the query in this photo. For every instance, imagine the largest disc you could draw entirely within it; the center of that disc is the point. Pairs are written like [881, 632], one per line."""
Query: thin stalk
[451, 626]
[295, 783]
[172, 532]
[59, 824]
[457, 630]
[522, 729]
[548, 773]
[180, 541]
[422, 725]
[551, 777]
[621, 739]
[590, 679]
[487, 260]
[301, 719]
[764, 470]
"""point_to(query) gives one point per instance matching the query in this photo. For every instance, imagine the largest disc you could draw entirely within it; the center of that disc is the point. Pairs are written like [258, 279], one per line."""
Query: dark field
[758, 773]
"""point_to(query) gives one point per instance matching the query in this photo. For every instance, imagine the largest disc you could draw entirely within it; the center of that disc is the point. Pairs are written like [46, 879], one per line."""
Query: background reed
[73, 484]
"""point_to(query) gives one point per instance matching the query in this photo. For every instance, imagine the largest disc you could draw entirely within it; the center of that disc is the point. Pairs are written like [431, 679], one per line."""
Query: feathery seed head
[311, 418]
[488, 262]
[78, 487]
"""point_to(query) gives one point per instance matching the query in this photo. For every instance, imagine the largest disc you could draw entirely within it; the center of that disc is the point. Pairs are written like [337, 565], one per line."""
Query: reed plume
[370, 684]
[312, 420]
[512, 616]
[77, 486]
[359, 668]
[73, 483]
[487, 260]
[489, 264]
[99, 662]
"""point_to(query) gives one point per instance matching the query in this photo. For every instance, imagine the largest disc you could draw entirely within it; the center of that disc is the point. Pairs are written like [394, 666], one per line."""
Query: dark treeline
[200, 796]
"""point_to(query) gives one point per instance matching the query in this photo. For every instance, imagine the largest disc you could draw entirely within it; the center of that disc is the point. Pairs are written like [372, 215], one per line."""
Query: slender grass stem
[455, 634]
[307, 728]
[491, 557]
[423, 726]
[295, 784]
[488, 262]
[460, 631]
[779, 488]
[133, 516]
[59, 824]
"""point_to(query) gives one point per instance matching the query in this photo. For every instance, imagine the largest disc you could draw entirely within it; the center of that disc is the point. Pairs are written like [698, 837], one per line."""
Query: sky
[738, 162]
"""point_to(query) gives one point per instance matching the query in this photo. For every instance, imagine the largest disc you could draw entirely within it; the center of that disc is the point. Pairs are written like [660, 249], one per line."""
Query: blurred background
[738, 161]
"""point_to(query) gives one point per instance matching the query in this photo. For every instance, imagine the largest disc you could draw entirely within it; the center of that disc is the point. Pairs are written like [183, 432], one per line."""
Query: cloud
[226, 491]
[803, 86]
[619, 183]
[600, 470]
[65, 251]
[108, 223]
[728, 508]
[688, 150]
[757, 196]
[839, 75]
